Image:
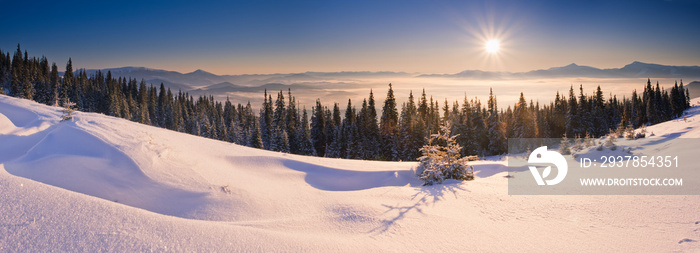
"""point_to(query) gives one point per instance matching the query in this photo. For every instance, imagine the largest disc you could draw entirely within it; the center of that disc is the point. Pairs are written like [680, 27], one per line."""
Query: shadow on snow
[332, 179]
[425, 196]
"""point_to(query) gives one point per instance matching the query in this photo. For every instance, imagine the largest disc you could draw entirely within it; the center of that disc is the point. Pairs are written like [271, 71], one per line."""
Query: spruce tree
[584, 114]
[67, 81]
[388, 127]
[306, 146]
[649, 102]
[496, 130]
[318, 129]
[634, 110]
[441, 159]
[160, 108]
[330, 129]
[687, 96]
[55, 85]
[369, 129]
[598, 118]
[41, 85]
[143, 116]
[423, 108]
[408, 135]
[293, 125]
[17, 73]
[4, 71]
[153, 108]
[115, 101]
[572, 119]
[229, 116]
[355, 150]
[266, 114]
[675, 100]
[347, 140]
[523, 122]
[177, 116]
[479, 131]
[279, 118]
[462, 126]
[27, 88]
[255, 140]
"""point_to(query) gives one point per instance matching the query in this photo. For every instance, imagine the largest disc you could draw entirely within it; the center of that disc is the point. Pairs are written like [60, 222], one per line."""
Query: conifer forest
[367, 129]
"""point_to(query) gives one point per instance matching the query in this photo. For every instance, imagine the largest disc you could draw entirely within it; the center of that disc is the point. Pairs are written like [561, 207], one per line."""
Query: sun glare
[492, 46]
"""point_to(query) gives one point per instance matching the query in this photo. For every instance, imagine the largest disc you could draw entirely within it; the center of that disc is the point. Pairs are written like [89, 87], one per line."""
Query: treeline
[31, 78]
[355, 132]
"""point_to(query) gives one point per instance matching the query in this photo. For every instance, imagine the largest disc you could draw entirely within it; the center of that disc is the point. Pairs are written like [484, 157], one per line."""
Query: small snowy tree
[578, 144]
[565, 146]
[588, 140]
[67, 110]
[630, 134]
[442, 159]
[619, 131]
[642, 133]
[610, 140]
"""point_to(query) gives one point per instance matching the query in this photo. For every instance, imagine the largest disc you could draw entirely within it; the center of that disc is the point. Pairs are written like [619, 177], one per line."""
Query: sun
[492, 46]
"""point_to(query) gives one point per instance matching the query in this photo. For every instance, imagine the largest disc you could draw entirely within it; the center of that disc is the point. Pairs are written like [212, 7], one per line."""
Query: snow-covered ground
[99, 183]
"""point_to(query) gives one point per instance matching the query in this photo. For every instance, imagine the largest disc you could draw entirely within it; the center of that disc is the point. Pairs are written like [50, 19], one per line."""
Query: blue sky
[236, 37]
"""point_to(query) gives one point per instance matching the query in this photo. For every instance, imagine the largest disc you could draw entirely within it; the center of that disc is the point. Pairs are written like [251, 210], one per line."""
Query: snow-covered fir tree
[306, 146]
[388, 127]
[496, 130]
[318, 129]
[370, 129]
[255, 140]
[293, 124]
[443, 161]
[266, 114]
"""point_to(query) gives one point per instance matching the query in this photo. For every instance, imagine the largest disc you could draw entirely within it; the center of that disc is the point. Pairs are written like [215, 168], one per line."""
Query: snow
[97, 183]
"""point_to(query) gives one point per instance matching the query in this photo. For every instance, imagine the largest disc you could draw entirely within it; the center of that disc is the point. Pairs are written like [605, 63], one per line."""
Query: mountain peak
[638, 63]
[199, 72]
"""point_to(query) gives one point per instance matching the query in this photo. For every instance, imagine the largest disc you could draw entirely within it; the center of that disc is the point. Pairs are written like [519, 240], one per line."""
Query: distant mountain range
[633, 70]
[202, 82]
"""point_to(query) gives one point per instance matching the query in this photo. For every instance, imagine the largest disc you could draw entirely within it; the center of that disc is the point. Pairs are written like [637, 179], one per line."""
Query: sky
[260, 37]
